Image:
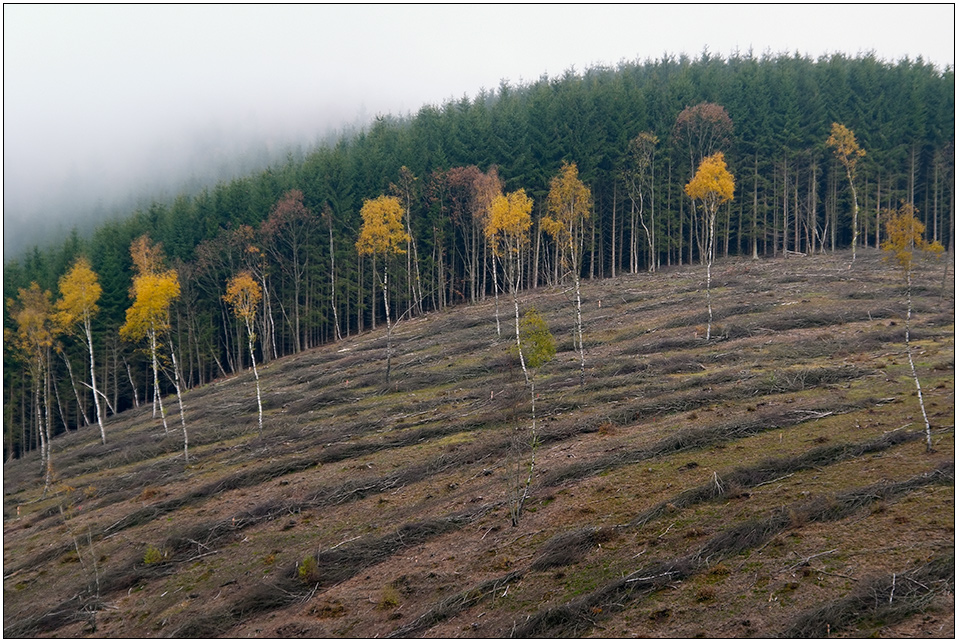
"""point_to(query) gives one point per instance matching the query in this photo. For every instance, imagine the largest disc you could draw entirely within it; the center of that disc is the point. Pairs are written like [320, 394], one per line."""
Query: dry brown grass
[767, 477]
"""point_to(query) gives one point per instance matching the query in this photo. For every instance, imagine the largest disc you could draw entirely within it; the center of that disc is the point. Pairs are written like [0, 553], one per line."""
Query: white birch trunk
[709, 265]
[87, 327]
[157, 398]
[912, 364]
[179, 398]
[256, 375]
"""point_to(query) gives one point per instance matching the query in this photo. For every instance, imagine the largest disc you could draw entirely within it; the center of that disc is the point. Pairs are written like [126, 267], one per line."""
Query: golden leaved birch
[905, 239]
[243, 294]
[713, 185]
[382, 233]
[80, 291]
[847, 151]
[569, 204]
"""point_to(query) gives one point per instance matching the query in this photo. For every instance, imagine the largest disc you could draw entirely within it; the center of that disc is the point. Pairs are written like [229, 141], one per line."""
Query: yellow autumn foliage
[382, 231]
[569, 202]
[847, 150]
[713, 183]
[904, 232]
[33, 315]
[150, 313]
[80, 291]
[243, 295]
[509, 221]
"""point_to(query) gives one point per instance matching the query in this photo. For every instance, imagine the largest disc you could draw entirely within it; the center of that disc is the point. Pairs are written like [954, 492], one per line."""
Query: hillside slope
[773, 481]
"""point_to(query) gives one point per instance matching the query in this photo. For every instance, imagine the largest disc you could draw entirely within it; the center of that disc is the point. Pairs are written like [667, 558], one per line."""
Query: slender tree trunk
[133, 386]
[41, 432]
[519, 346]
[692, 228]
[755, 231]
[855, 215]
[48, 419]
[813, 218]
[935, 200]
[835, 213]
[269, 336]
[179, 398]
[157, 398]
[485, 283]
[43, 420]
[535, 270]
[912, 364]
[612, 238]
[473, 264]
[76, 392]
[88, 329]
[796, 237]
[878, 207]
[256, 376]
[653, 255]
[389, 323]
[410, 285]
[336, 319]
[297, 345]
[516, 508]
[579, 332]
[711, 215]
[785, 206]
[56, 394]
[496, 292]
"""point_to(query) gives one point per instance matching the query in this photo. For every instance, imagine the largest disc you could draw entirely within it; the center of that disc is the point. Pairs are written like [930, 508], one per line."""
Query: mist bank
[43, 206]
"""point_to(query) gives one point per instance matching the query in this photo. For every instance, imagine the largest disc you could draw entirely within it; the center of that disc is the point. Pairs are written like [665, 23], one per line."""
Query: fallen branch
[805, 561]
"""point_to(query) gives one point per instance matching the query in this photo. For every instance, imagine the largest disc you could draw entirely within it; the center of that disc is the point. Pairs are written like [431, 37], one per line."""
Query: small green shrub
[390, 598]
[153, 556]
[308, 571]
[538, 343]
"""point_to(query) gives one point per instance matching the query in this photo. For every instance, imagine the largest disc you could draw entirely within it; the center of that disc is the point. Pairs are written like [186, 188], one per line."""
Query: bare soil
[772, 481]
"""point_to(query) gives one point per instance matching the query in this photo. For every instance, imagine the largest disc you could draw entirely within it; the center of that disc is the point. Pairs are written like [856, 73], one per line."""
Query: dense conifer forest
[636, 133]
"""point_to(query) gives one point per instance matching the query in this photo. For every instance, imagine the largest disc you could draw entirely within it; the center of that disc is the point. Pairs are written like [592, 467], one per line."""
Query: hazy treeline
[791, 196]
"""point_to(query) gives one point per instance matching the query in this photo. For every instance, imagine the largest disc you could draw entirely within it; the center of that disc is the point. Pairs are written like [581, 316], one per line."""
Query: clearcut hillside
[773, 481]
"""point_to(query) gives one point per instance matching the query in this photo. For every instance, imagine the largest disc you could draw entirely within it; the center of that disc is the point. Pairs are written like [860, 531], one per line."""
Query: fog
[108, 107]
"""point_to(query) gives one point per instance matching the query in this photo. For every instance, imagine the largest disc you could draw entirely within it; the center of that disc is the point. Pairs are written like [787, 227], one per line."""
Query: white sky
[106, 95]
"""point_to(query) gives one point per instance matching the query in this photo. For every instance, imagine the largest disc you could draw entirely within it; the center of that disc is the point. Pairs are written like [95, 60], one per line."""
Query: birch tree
[487, 187]
[243, 294]
[847, 151]
[327, 216]
[405, 190]
[904, 232]
[713, 185]
[79, 292]
[705, 129]
[639, 185]
[287, 234]
[153, 291]
[508, 233]
[382, 234]
[538, 347]
[569, 204]
[33, 315]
